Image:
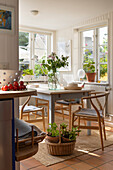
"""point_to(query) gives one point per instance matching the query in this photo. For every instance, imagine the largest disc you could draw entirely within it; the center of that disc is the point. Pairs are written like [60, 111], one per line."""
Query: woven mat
[84, 144]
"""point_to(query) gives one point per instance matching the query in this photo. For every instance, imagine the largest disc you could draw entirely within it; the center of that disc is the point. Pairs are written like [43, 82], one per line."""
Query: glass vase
[53, 80]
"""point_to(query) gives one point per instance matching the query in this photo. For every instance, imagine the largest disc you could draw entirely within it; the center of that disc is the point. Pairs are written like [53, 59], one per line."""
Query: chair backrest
[22, 108]
[98, 96]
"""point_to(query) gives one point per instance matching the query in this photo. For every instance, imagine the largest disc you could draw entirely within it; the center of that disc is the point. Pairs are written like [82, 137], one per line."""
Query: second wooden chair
[32, 111]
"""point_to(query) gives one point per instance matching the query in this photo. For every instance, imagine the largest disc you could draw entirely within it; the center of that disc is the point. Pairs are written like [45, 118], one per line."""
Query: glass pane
[23, 39]
[103, 35]
[103, 54]
[24, 50]
[103, 72]
[87, 55]
[88, 38]
[39, 54]
[40, 41]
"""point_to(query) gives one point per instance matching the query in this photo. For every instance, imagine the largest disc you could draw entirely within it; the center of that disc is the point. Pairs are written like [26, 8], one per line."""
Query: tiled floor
[101, 160]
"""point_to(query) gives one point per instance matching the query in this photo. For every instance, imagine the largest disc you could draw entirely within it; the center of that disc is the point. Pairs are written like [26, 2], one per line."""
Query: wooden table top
[13, 94]
[61, 91]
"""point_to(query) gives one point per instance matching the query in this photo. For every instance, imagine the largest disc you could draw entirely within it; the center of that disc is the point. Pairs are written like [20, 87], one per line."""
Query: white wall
[73, 34]
[9, 42]
[62, 36]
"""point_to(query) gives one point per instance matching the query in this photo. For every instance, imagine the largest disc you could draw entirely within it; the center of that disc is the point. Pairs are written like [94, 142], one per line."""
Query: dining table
[53, 95]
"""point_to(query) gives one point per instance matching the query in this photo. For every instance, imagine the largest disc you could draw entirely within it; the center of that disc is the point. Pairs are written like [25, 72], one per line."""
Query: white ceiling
[59, 14]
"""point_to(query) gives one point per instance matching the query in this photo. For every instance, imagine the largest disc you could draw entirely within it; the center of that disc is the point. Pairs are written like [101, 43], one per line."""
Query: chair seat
[67, 102]
[30, 108]
[89, 112]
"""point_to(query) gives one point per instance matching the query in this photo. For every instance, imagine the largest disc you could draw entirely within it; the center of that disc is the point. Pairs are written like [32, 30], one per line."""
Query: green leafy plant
[27, 72]
[54, 62]
[70, 134]
[40, 70]
[52, 65]
[89, 66]
[53, 130]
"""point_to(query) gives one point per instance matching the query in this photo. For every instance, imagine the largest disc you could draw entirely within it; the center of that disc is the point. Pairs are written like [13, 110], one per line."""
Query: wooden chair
[29, 111]
[66, 105]
[96, 114]
[27, 138]
[44, 103]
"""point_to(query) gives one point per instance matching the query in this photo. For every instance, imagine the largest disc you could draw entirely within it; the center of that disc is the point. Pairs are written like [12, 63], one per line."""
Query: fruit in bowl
[15, 86]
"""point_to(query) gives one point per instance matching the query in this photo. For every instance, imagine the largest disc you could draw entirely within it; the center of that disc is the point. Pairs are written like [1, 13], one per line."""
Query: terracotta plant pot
[52, 139]
[91, 77]
[66, 140]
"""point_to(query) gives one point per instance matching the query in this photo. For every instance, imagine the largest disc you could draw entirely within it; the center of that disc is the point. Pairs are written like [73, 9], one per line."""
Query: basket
[60, 148]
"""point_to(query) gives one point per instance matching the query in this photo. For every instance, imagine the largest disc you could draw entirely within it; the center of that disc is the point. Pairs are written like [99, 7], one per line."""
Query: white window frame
[95, 48]
[32, 42]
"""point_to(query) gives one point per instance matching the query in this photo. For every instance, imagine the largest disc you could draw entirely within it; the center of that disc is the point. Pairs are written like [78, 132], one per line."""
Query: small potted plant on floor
[53, 133]
[66, 140]
[68, 135]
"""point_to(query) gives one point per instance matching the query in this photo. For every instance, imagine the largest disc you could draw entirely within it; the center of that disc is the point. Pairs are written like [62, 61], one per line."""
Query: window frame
[95, 48]
[32, 45]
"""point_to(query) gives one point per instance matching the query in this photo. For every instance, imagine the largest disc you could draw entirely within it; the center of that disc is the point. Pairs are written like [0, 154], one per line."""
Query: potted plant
[68, 135]
[53, 133]
[52, 64]
[66, 140]
[90, 70]
[89, 65]
[27, 74]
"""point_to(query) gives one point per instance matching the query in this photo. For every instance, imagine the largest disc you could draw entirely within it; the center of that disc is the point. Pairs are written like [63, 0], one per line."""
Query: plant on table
[52, 64]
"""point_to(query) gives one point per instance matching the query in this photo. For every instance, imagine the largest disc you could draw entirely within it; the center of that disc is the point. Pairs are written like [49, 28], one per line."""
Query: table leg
[51, 109]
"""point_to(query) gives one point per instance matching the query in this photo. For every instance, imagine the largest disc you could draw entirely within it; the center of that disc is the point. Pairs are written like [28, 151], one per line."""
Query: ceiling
[60, 14]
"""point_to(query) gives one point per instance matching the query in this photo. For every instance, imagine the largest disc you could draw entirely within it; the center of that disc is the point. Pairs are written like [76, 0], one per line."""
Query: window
[32, 48]
[94, 48]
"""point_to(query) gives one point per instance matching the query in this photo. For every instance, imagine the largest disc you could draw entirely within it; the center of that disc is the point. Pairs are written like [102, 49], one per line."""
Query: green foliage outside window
[23, 39]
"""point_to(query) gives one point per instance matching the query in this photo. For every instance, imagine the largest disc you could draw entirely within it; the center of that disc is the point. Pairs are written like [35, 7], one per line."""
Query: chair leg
[28, 117]
[43, 118]
[78, 124]
[104, 129]
[62, 111]
[100, 130]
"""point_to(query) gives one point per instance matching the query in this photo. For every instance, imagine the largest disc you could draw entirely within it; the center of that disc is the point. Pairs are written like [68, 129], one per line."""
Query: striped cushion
[89, 112]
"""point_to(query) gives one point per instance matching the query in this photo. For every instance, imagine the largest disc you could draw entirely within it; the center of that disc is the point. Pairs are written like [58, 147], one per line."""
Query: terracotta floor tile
[110, 153]
[94, 162]
[57, 166]
[67, 168]
[30, 163]
[106, 166]
[99, 152]
[111, 162]
[105, 157]
[22, 168]
[40, 168]
[71, 161]
[85, 157]
[81, 166]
